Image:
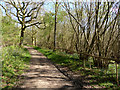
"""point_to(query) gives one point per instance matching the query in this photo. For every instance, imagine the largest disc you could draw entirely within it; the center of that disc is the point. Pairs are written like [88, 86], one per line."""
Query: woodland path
[43, 74]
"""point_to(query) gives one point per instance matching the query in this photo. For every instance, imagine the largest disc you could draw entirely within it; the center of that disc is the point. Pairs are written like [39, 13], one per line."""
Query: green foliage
[100, 76]
[59, 57]
[111, 68]
[61, 15]
[14, 61]
[10, 32]
[106, 84]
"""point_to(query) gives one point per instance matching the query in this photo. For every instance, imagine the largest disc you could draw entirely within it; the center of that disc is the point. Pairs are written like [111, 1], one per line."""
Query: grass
[14, 61]
[61, 58]
[102, 78]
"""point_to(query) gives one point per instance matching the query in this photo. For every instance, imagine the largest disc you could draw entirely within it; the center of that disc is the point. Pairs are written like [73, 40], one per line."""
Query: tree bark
[56, 7]
[119, 32]
[32, 40]
[21, 36]
[35, 41]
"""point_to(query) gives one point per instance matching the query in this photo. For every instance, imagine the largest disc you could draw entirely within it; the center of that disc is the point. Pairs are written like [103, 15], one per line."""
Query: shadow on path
[43, 74]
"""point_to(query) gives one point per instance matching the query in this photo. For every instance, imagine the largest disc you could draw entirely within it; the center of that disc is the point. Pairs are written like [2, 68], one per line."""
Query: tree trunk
[21, 36]
[84, 63]
[96, 63]
[32, 40]
[56, 7]
[35, 41]
[119, 32]
[117, 80]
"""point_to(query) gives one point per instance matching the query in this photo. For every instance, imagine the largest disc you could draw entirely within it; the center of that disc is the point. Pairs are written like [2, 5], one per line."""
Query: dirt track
[43, 74]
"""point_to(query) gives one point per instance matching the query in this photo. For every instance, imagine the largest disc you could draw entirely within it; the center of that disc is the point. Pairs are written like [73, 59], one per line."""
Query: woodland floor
[45, 74]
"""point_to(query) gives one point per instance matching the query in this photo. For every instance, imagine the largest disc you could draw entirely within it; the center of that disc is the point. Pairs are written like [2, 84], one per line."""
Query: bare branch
[33, 24]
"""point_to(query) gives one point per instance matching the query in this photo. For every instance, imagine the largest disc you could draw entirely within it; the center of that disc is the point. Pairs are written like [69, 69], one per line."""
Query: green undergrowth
[61, 58]
[14, 61]
[95, 76]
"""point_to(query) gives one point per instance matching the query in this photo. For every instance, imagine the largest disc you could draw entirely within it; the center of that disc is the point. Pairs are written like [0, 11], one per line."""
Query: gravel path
[43, 74]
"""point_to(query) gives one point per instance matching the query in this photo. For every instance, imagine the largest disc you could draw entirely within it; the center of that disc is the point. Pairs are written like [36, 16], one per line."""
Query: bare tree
[56, 10]
[96, 37]
[26, 13]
